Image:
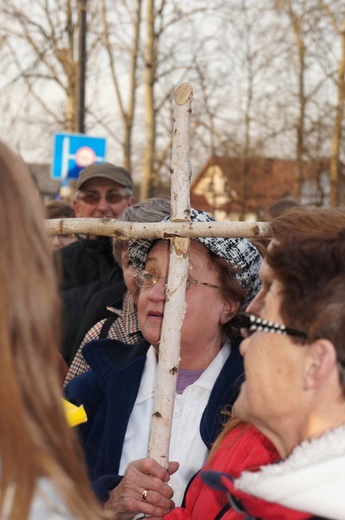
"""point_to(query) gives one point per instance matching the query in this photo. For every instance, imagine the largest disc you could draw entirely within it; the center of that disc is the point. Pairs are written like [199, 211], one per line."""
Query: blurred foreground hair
[35, 440]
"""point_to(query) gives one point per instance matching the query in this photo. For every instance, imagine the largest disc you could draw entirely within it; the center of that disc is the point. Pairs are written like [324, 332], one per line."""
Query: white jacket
[311, 479]
[47, 503]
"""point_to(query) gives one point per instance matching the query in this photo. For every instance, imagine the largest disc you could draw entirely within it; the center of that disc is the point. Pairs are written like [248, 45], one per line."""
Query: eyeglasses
[145, 279]
[93, 197]
[249, 324]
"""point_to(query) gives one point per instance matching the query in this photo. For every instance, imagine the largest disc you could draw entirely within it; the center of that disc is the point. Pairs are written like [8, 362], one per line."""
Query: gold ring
[144, 495]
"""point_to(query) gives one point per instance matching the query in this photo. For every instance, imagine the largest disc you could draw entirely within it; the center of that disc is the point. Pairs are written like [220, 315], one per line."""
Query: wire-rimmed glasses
[146, 279]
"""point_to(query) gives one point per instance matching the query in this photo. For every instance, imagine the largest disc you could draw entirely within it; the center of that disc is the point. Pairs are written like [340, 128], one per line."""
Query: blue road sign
[73, 152]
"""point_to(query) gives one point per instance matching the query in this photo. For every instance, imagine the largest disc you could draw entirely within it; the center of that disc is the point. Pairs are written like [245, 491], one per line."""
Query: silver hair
[150, 210]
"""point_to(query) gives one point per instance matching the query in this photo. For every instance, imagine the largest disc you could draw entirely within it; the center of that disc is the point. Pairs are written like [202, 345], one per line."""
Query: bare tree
[307, 35]
[150, 79]
[252, 51]
[127, 114]
[47, 37]
[336, 16]
[297, 23]
[264, 76]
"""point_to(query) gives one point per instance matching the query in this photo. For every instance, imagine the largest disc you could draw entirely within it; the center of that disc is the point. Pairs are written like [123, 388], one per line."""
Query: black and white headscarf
[239, 252]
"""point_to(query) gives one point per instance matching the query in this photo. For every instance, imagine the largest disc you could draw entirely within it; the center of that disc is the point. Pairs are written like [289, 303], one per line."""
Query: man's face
[101, 197]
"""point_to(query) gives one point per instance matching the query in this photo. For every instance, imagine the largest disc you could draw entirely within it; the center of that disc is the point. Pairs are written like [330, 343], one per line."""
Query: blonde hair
[35, 440]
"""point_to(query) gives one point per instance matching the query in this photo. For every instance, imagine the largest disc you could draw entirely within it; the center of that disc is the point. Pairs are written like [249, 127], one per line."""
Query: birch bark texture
[175, 306]
[110, 227]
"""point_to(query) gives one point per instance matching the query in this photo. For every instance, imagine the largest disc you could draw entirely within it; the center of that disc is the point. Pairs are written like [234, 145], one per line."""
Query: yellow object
[74, 414]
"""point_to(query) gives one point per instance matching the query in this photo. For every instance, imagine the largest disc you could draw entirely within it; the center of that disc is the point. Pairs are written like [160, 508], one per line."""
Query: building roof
[256, 182]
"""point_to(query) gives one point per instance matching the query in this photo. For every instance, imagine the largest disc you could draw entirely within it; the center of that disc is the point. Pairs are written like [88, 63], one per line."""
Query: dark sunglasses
[93, 198]
[249, 324]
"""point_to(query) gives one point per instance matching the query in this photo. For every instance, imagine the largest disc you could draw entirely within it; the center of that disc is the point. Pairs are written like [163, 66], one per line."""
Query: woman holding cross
[118, 392]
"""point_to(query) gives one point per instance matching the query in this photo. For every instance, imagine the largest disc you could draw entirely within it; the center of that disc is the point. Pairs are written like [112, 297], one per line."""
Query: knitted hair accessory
[239, 252]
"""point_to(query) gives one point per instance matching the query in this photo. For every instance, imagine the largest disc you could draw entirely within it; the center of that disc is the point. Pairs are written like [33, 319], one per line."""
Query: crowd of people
[259, 411]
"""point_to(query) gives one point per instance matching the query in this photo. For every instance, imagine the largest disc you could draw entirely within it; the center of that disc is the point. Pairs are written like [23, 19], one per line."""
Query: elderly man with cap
[118, 392]
[103, 190]
[87, 266]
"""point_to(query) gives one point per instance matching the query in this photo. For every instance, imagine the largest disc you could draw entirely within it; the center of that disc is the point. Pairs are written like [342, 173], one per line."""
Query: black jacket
[84, 262]
[108, 393]
[88, 273]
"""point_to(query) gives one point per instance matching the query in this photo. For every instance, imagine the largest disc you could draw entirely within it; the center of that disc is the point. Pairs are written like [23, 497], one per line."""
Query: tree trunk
[296, 26]
[150, 71]
[71, 69]
[127, 115]
[175, 307]
[337, 130]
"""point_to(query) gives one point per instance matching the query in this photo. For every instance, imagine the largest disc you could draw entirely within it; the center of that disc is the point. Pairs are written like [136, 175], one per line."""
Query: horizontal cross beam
[111, 227]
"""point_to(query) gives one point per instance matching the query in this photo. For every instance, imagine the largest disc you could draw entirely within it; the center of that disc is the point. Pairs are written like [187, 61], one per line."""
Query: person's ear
[229, 310]
[320, 364]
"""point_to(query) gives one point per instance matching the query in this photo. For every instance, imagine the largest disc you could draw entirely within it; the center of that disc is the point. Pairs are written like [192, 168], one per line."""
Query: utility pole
[82, 9]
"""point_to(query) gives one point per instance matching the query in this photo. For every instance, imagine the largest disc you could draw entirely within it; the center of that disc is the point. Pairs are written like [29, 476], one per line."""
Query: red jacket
[255, 508]
[244, 448]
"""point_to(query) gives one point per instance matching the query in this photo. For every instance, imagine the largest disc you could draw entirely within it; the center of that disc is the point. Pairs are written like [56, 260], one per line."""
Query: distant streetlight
[82, 9]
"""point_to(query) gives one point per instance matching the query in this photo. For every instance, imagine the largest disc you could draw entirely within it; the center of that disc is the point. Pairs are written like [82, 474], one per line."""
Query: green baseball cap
[107, 171]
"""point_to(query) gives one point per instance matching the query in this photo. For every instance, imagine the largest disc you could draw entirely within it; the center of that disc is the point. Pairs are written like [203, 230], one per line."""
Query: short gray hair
[150, 210]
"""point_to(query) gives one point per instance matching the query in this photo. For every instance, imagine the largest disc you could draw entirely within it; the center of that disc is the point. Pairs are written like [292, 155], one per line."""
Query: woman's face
[267, 278]
[59, 241]
[206, 311]
[128, 274]
[271, 395]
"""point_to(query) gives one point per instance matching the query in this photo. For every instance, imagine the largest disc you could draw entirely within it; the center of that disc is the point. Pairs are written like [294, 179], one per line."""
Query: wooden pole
[111, 227]
[174, 310]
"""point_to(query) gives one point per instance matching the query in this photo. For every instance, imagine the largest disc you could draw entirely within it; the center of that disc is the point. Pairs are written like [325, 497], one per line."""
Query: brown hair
[278, 208]
[274, 210]
[295, 217]
[231, 291]
[305, 219]
[35, 440]
[59, 209]
[311, 270]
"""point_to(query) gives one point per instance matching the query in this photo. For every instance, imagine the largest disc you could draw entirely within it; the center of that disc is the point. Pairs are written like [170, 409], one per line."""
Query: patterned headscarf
[239, 252]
